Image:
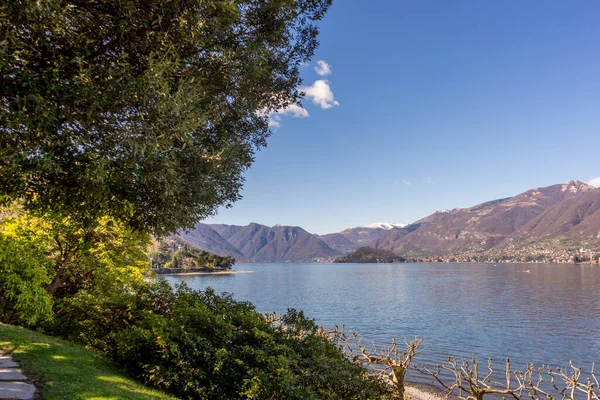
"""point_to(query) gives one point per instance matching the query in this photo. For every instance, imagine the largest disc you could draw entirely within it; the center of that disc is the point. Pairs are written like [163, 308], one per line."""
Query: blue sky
[433, 105]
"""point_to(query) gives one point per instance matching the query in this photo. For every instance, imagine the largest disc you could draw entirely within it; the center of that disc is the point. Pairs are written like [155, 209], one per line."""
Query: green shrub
[200, 345]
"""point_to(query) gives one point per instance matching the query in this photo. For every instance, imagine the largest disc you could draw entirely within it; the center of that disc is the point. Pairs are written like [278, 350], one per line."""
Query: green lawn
[68, 371]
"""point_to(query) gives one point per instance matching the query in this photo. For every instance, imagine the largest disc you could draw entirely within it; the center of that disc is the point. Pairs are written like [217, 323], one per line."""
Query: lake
[542, 313]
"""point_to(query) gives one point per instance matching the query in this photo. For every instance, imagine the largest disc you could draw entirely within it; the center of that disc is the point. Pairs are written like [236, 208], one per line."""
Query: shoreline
[207, 273]
[422, 391]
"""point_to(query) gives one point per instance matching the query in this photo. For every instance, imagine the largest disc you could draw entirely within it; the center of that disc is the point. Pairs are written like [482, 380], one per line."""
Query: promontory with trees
[171, 255]
[370, 255]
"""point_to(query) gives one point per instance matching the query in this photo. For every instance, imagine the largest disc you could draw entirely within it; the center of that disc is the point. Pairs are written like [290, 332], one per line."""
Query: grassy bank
[63, 370]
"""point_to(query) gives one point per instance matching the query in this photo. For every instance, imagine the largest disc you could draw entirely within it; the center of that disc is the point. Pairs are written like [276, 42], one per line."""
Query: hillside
[261, 243]
[575, 221]
[366, 235]
[339, 242]
[478, 228]
[206, 238]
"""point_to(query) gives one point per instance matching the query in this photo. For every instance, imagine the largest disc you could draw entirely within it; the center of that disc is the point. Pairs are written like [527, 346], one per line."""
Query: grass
[64, 370]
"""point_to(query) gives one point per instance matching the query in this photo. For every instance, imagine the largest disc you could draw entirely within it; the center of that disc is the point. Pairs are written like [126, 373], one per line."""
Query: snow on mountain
[384, 225]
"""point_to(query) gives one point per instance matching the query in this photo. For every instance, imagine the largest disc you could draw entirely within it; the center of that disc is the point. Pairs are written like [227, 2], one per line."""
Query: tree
[63, 257]
[24, 268]
[536, 383]
[472, 384]
[147, 111]
[390, 363]
[393, 361]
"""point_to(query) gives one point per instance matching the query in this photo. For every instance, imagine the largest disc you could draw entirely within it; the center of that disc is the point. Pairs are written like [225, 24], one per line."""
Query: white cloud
[428, 180]
[293, 110]
[323, 68]
[320, 93]
[595, 182]
[407, 183]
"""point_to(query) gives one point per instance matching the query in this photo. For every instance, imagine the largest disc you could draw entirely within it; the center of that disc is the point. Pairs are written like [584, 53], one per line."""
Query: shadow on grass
[61, 369]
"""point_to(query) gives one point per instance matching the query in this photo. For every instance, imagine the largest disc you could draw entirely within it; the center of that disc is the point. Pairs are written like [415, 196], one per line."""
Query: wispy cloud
[595, 182]
[428, 180]
[405, 182]
[323, 68]
[320, 93]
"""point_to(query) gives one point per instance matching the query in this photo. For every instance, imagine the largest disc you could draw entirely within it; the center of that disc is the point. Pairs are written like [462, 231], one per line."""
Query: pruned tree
[146, 111]
[393, 361]
[473, 384]
[536, 383]
[390, 362]
[546, 383]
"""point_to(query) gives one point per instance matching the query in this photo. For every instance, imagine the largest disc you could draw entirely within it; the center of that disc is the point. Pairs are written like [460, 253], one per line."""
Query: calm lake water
[543, 313]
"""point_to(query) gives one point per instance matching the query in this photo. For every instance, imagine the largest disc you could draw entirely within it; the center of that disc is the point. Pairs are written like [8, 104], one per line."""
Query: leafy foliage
[147, 111]
[46, 257]
[174, 254]
[24, 273]
[200, 345]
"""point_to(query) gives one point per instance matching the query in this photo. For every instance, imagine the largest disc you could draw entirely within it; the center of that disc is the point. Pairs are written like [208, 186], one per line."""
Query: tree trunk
[398, 379]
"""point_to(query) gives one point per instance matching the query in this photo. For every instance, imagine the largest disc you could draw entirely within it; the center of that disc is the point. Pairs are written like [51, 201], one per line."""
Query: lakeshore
[190, 273]
[416, 391]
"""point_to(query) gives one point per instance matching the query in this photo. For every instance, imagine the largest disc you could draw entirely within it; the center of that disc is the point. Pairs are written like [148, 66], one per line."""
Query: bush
[200, 345]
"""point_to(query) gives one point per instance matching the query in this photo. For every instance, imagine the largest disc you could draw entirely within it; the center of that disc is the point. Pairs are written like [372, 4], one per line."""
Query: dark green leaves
[147, 111]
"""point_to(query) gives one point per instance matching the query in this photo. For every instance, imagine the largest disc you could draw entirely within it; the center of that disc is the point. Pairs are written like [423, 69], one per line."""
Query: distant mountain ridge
[206, 238]
[554, 216]
[482, 227]
[574, 221]
[260, 243]
[351, 239]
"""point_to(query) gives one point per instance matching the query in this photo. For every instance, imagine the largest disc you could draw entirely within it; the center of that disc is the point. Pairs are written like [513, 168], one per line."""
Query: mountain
[384, 225]
[546, 223]
[204, 237]
[575, 221]
[261, 243]
[226, 231]
[339, 242]
[367, 235]
[478, 228]
[351, 239]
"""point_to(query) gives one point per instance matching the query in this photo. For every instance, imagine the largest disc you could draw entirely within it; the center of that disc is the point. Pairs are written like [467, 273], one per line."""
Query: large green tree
[145, 110]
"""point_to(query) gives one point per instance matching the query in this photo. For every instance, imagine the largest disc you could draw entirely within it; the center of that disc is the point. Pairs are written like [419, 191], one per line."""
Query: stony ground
[424, 392]
[13, 384]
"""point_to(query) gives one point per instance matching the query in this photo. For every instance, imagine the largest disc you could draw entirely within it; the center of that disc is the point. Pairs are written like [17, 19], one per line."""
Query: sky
[417, 106]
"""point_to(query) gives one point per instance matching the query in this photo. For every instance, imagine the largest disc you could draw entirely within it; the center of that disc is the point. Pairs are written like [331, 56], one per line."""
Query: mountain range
[563, 215]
